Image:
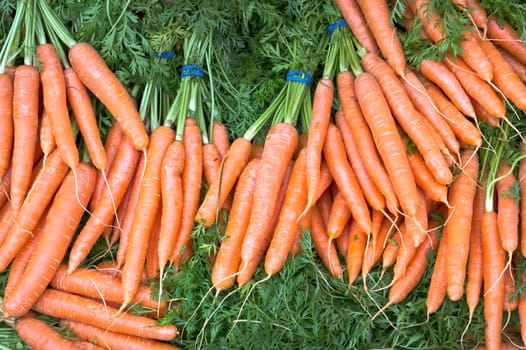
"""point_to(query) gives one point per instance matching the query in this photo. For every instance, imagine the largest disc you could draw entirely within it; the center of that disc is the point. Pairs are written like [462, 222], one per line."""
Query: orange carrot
[425, 180]
[518, 67]
[151, 265]
[114, 340]
[458, 227]
[355, 251]
[483, 115]
[436, 293]
[475, 267]
[61, 223]
[375, 247]
[511, 300]
[326, 252]
[40, 336]
[6, 120]
[47, 139]
[144, 212]
[80, 309]
[5, 186]
[100, 80]
[220, 138]
[388, 141]
[477, 13]
[522, 185]
[342, 242]
[507, 209]
[503, 35]
[521, 307]
[338, 216]
[354, 17]
[211, 162]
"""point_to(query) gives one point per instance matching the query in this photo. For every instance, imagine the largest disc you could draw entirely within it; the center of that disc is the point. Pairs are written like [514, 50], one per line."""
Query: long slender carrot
[475, 266]
[355, 251]
[114, 340]
[408, 117]
[518, 66]
[192, 174]
[425, 180]
[82, 108]
[375, 246]
[26, 89]
[151, 265]
[507, 209]
[40, 336]
[61, 223]
[522, 185]
[6, 120]
[76, 308]
[326, 252]
[120, 176]
[493, 262]
[100, 80]
[338, 217]
[503, 35]
[458, 227]
[353, 15]
[389, 143]
[144, 212]
[377, 14]
[436, 293]
[364, 139]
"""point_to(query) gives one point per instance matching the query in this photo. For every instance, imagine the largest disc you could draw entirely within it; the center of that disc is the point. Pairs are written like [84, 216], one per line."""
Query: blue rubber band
[339, 23]
[165, 54]
[192, 70]
[300, 77]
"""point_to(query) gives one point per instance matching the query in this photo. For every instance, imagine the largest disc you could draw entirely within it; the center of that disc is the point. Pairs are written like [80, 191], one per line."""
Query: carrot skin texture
[378, 116]
[338, 217]
[82, 108]
[113, 340]
[220, 138]
[475, 267]
[518, 67]
[508, 210]
[458, 228]
[320, 240]
[40, 336]
[26, 86]
[119, 178]
[144, 214]
[353, 15]
[477, 13]
[63, 219]
[6, 120]
[506, 37]
[355, 251]
[425, 180]
[99, 79]
[437, 290]
[76, 308]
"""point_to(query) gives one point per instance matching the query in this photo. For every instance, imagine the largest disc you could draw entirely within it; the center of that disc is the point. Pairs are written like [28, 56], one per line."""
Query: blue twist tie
[192, 70]
[339, 23]
[165, 54]
[301, 77]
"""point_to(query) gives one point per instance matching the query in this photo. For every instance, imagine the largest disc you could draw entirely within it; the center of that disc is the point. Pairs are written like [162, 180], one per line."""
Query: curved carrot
[377, 15]
[353, 15]
[503, 35]
[82, 108]
[113, 340]
[475, 267]
[62, 221]
[55, 102]
[320, 240]
[26, 89]
[458, 227]
[425, 180]
[40, 336]
[144, 212]
[100, 80]
[355, 251]
[80, 309]
[387, 139]
[228, 257]
[6, 120]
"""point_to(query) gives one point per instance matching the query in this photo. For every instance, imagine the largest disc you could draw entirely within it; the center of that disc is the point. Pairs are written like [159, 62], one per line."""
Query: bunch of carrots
[383, 164]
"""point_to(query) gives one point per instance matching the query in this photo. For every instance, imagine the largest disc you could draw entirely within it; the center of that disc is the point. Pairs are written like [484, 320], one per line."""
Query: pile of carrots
[392, 162]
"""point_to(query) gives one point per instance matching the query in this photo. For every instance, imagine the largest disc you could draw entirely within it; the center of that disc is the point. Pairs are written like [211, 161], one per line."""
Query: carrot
[287, 226]
[391, 250]
[220, 138]
[120, 176]
[151, 265]
[171, 196]
[483, 115]
[424, 104]
[477, 13]
[438, 73]
[326, 252]
[518, 67]
[375, 247]
[507, 209]
[522, 214]
[504, 76]
[377, 15]
[98, 285]
[109, 267]
[80, 309]
[280, 144]
[511, 300]
[26, 87]
[338, 217]
[211, 162]
[144, 212]
[364, 139]
[345, 178]
[100, 80]
[436, 292]
[116, 228]
[388, 141]
[319, 123]
[41, 194]
[234, 161]
[5, 186]
[113, 340]
[354, 17]
[477, 88]
[6, 120]
[474, 56]
[475, 267]
[228, 258]
[84, 345]
[111, 147]
[417, 226]
[47, 139]
[192, 174]
[466, 132]
[493, 262]
[503, 35]
[458, 227]
[370, 190]
[408, 117]
[521, 307]
[40, 336]
[7, 219]
[342, 242]
[82, 108]
[61, 223]
[425, 180]
[355, 251]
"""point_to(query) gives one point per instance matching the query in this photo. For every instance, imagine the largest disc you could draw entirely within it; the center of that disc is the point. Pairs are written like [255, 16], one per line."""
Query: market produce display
[342, 174]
